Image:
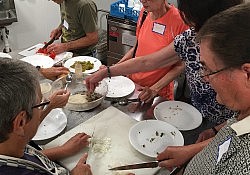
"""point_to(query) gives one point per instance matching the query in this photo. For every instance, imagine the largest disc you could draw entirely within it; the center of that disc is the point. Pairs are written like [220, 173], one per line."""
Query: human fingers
[145, 94]
[62, 69]
[102, 67]
[169, 164]
[83, 159]
[50, 48]
[52, 34]
[90, 84]
[200, 138]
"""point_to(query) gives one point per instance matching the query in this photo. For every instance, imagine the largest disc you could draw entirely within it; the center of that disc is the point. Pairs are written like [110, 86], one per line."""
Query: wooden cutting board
[110, 123]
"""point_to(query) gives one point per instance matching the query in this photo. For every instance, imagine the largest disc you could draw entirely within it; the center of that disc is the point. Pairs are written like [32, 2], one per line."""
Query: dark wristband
[109, 74]
[215, 131]
[38, 68]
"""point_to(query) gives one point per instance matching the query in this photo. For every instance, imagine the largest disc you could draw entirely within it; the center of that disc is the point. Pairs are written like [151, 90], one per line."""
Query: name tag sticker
[159, 28]
[65, 24]
[223, 148]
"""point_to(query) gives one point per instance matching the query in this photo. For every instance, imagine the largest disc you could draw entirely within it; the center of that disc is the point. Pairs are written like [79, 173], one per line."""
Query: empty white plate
[151, 137]
[52, 125]
[179, 114]
[97, 63]
[39, 60]
[119, 86]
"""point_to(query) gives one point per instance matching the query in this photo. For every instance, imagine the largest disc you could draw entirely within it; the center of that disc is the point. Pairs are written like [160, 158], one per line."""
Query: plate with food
[89, 64]
[151, 137]
[52, 125]
[39, 60]
[119, 86]
[179, 114]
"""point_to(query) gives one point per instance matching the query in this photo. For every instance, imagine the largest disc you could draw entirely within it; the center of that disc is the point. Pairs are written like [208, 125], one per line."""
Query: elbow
[94, 39]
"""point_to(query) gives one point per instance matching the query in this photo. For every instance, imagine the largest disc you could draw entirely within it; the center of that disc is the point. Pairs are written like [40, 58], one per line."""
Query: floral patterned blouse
[203, 97]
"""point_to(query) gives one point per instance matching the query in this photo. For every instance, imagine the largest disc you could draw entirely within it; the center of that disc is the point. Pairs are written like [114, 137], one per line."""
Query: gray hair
[18, 92]
[228, 34]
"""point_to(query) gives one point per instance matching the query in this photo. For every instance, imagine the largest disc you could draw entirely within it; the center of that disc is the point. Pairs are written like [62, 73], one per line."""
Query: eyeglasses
[41, 105]
[206, 73]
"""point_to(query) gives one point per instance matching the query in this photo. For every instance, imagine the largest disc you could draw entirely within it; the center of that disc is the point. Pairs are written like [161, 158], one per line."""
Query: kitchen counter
[143, 112]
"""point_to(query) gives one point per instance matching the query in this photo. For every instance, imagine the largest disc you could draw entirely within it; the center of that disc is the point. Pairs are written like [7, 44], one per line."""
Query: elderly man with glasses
[21, 109]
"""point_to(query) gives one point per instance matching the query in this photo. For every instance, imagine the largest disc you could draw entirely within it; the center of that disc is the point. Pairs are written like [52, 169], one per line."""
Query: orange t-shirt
[153, 36]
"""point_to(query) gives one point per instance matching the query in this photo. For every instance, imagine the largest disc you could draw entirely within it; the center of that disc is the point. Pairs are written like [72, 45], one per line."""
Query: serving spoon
[68, 80]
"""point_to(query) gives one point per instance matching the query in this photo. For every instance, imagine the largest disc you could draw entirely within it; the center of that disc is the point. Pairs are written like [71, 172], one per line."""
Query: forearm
[197, 147]
[162, 58]
[169, 77]
[55, 153]
[127, 56]
[88, 40]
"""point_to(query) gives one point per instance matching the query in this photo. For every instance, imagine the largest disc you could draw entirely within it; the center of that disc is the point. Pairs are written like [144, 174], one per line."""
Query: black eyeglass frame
[201, 71]
[41, 104]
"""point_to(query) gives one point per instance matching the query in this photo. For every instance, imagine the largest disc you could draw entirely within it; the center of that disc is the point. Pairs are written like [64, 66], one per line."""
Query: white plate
[52, 125]
[179, 114]
[119, 86]
[39, 60]
[151, 137]
[4, 55]
[97, 63]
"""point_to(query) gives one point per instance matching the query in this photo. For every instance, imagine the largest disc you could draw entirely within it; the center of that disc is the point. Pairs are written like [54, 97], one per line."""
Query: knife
[48, 43]
[152, 164]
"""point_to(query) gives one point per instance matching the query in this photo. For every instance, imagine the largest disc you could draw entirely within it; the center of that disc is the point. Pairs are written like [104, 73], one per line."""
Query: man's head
[19, 91]
[225, 55]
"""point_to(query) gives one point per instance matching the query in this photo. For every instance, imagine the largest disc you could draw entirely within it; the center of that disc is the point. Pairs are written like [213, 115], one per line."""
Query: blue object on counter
[120, 9]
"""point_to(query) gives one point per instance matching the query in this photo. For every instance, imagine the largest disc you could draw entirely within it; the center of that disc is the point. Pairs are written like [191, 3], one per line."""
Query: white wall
[36, 18]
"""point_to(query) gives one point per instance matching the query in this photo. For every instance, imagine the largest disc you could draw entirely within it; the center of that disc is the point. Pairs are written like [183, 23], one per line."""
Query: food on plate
[86, 65]
[45, 87]
[51, 54]
[83, 97]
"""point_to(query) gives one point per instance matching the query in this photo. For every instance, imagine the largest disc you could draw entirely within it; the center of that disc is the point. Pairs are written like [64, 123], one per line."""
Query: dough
[78, 99]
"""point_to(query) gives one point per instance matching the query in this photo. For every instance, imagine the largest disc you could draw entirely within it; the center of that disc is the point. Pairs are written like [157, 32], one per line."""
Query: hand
[205, 135]
[174, 156]
[93, 80]
[57, 48]
[56, 33]
[75, 144]
[52, 73]
[147, 94]
[59, 99]
[102, 67]
[82, 168]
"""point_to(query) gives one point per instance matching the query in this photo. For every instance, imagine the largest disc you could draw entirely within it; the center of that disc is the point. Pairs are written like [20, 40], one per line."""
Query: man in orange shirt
[162, 23]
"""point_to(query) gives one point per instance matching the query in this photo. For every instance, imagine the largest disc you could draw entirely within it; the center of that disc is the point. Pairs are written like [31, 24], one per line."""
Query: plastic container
[117, 10]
